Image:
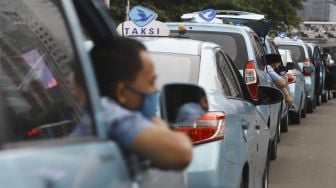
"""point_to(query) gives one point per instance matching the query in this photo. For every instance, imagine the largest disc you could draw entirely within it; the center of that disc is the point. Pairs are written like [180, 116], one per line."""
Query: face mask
[149, 107]
[149, 104]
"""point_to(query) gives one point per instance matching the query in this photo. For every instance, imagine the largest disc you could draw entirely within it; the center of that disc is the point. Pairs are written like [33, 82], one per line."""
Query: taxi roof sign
[205, 16]
[282, 35]
[142, 16]
[143, 23]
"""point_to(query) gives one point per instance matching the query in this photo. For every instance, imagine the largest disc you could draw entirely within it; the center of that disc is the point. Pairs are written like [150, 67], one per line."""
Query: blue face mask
[149, 107]
[149, 104]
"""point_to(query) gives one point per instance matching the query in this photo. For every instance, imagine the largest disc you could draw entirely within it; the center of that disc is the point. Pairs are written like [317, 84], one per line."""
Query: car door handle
[257, 127]
[245, 125]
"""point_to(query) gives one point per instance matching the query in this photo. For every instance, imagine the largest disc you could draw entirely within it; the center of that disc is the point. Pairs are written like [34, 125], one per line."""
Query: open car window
[36, 58]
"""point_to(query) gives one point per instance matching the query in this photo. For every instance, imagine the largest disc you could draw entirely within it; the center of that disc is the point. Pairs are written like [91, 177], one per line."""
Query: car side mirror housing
[268, 95]
[282, 69]
[182, 103]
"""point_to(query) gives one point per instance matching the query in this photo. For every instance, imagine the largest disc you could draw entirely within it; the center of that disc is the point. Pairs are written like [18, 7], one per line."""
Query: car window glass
[317, 55]
[273, 48]
[233, 44]
[185, 68]
[258, 52]
[310, 53]
[225, 72]
[36, 56]
[297, 51]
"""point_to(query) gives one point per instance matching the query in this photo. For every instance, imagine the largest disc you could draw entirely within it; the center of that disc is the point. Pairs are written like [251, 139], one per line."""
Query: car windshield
[233, 44]
[175, 68]
[297, 51]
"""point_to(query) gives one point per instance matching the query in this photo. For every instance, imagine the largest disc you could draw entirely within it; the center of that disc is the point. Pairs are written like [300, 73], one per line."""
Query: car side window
[317, 55]
[258, 52]
[224, 70]
[36, 56]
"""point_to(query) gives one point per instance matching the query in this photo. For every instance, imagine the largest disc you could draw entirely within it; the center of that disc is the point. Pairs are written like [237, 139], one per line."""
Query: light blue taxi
[240, 155]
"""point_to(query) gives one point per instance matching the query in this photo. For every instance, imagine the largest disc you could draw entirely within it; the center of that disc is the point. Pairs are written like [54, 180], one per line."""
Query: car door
[99, 26]
[256, 122]
[273, 111]
[318, 69]
[244, 110]
[39, 45]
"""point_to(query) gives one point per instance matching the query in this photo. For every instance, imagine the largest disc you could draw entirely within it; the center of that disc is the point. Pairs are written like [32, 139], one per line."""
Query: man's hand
[289, 100]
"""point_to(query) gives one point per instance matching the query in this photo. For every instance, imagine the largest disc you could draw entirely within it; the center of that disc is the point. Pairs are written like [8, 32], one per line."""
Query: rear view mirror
[268, 95]
[183, 103]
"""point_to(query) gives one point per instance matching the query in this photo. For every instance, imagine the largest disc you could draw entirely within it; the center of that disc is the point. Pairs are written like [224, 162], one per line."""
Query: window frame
[230, 81]
[72, 26]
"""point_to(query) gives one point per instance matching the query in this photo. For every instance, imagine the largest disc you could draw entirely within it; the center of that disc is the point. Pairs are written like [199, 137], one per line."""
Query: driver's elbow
[281, 84]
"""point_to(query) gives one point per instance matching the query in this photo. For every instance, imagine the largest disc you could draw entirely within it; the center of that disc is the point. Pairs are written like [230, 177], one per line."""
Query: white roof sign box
[154, 28]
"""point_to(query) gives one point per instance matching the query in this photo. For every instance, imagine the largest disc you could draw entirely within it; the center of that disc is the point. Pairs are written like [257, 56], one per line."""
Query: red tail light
[307, 74]
[291, 77]
[251, 79]
[34, 132]
[209, 127]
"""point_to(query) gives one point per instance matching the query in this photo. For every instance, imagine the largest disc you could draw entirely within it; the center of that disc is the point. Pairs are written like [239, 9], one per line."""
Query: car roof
[288, 41]
[175, 45]
[229, 14]
[212, 27]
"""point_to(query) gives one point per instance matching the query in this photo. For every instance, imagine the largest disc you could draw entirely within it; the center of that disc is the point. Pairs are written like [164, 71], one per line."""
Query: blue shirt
[123, 125]
[189, 112]
[272, 75]
[85, 127]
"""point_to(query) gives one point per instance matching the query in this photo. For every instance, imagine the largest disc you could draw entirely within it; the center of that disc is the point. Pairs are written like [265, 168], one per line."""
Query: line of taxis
[216, 65]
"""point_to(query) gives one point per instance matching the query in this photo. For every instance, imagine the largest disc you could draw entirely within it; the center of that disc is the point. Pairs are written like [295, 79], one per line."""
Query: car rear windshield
[233, 44]
[297, 51]
[175, 68]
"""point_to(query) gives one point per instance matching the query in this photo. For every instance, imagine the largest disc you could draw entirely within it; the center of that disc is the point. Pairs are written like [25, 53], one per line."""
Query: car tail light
[209, 127]
[291, 77]
[34, 132]
[251, 79]
[307, 74]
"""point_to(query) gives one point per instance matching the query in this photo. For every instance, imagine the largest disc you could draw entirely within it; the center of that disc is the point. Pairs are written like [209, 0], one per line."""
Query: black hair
[116, 60]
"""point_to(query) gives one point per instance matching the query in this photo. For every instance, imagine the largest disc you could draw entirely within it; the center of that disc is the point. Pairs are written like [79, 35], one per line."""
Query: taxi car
[296, 86]
[301, 55]
[243, 46]
[320, 73]
[240, 157]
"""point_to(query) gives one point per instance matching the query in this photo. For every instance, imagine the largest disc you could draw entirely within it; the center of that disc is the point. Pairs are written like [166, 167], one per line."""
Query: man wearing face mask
[126, 80]
[273, 70]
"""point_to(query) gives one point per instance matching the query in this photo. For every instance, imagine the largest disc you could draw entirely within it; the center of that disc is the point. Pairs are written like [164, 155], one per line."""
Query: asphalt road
[307, 153]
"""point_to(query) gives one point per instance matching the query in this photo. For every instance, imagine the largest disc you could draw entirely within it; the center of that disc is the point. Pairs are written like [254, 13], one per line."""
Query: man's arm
[280, 83]
[163, 147]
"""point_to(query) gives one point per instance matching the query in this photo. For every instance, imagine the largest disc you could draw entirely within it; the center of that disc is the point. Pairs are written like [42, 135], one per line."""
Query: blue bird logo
[142, 16]
[208, 15]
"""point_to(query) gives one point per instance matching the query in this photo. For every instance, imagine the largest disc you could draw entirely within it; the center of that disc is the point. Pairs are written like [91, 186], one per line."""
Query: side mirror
[282, 69]
[268, 95]
[183, 103]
